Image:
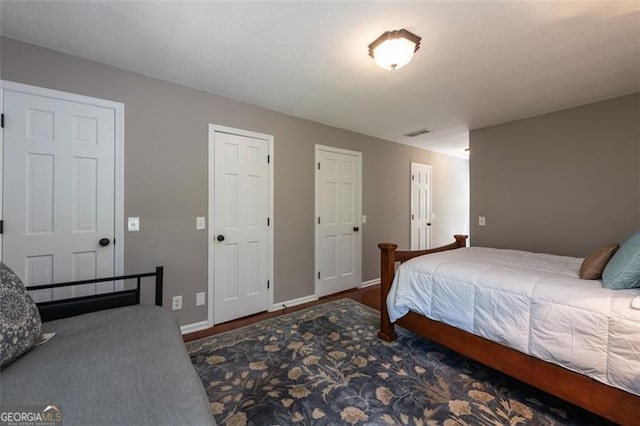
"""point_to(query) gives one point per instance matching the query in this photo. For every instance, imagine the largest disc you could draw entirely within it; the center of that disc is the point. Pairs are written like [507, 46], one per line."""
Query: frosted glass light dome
[394, 49]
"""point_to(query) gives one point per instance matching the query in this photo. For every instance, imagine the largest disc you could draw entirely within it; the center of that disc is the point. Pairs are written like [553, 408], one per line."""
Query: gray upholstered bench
[125, 365]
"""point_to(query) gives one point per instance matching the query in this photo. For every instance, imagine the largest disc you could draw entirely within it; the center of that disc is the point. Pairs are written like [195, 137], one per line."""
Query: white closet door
[58, 192]
[241, 241]
[338, 199]
[420, 206]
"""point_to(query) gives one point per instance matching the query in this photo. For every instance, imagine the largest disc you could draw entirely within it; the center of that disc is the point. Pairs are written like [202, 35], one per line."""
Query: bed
[568, 363]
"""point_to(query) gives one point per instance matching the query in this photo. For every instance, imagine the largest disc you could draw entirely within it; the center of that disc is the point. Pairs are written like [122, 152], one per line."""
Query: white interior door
[240, 239]
[59, 205]
[420, 206]
[338, 220]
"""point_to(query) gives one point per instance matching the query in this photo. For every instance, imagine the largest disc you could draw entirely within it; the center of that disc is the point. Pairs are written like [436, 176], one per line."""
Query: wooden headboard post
[387, 271]
[389, 255]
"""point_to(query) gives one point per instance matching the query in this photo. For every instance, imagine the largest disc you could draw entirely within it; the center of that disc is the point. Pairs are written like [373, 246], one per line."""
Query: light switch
[133, 224]
[482, 221]
[364, 218]
[200, 222]
[200, 299]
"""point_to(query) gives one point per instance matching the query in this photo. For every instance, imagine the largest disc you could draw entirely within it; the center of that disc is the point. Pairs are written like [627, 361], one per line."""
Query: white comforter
[531, 302]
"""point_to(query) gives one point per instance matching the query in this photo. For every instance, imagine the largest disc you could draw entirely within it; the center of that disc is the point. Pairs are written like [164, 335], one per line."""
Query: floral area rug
[326, 366]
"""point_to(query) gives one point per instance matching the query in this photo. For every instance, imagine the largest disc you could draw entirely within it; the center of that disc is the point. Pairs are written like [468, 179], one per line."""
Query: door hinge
[2, 120]
[318, 165]
[1, 226]
[318, 274]
[268, 221]
[412, 217]
[318, 220]
[268, 284]
[413, 177]
[268, 159]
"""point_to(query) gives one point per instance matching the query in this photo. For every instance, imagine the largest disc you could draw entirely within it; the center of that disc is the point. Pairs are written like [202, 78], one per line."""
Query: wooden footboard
[612, 403]
[389, 257]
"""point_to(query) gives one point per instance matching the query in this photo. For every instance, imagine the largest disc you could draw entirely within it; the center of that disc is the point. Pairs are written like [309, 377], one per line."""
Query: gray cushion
[623, 270]
[20, 324]
[114, 367]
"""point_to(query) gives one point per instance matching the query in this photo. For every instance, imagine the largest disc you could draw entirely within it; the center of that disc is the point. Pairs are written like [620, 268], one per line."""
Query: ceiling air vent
[417, 133]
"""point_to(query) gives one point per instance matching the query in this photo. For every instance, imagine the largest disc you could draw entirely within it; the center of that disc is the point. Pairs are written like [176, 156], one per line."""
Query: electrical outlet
[200, 299]
[200, 223]
[177, 303]
[133, 224]
[482, 221]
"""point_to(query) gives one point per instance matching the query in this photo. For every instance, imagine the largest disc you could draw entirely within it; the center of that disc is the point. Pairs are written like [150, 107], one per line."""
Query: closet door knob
[356, 229]
[220, 237]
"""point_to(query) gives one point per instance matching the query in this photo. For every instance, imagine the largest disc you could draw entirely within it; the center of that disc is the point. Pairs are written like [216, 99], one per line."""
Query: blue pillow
[623, 270]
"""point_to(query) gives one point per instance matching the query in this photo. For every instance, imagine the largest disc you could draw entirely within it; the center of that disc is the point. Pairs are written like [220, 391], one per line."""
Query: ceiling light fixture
[394, 49]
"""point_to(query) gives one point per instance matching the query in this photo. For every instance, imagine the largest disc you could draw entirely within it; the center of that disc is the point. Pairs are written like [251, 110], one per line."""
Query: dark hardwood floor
[369, 296]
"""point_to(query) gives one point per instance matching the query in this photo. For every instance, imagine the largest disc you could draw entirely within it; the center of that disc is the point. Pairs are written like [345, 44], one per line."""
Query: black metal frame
[65, 308]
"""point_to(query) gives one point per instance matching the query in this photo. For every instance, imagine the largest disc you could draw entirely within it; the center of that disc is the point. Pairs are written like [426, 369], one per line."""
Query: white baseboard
[313, 298]
[196, 326]
[293, 302]
[202, 325]
[370, 283]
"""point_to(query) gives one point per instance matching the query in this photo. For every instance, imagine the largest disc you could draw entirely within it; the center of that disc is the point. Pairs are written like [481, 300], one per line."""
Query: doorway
[63, 186]
[240, 223]
[421, 215]
[338, 206]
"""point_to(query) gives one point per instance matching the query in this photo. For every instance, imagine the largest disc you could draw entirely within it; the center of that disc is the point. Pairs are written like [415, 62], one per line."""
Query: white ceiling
[480, 63]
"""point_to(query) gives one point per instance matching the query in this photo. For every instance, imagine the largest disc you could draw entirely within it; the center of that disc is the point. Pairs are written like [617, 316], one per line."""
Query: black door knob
[104, 242]
[356, 229]
[429, 224]
[220, 237]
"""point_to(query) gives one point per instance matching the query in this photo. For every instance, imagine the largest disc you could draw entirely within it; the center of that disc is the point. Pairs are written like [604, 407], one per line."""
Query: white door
[338, 207]
[420, 206]
[240, 238]
[59, 205]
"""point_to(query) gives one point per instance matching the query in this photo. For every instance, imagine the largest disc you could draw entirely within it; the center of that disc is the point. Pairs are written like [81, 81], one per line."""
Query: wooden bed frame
[609, 402]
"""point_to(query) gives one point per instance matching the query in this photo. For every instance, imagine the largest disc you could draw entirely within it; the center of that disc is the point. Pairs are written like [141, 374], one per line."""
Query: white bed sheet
[535, 303]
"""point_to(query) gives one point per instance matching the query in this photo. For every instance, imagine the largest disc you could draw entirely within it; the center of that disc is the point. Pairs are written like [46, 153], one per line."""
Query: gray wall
[564, 182]
[166, 173]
